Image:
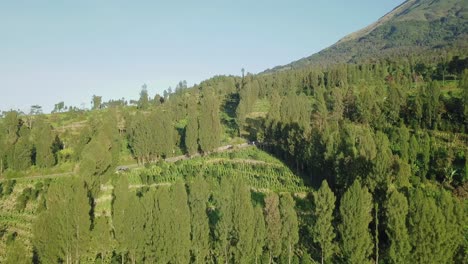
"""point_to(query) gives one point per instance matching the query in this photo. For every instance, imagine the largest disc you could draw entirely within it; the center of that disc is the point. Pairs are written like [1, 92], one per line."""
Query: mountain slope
[415, 25]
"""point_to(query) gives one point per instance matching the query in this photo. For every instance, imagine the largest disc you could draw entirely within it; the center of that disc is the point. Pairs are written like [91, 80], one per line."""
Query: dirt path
[136, 165]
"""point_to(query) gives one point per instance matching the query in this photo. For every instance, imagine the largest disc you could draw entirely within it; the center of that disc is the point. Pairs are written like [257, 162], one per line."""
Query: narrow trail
[221, 149]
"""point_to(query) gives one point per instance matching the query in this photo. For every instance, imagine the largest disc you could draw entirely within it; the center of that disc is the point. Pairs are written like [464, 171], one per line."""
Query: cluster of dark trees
[26, 143]
[153, 133]
[181, 223]
[382, 122]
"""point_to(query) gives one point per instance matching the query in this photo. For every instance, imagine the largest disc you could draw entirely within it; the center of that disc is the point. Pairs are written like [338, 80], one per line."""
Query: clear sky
[52, 51]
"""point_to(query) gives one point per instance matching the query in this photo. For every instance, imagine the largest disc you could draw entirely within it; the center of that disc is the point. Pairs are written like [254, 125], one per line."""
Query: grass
[104, 201]
[14, 223]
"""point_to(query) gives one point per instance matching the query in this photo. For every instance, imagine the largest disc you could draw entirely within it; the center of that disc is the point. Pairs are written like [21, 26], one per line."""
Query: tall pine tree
[322, 230]
[61, 233]
[200, 230]
[273, 226]
[396, 209]
[289, 224]
[243, 223]
[355, 211]
[209, 123]
[43, 142]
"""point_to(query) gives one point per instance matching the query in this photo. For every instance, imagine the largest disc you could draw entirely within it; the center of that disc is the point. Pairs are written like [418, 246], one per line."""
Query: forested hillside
[345, 163]
[386, 142]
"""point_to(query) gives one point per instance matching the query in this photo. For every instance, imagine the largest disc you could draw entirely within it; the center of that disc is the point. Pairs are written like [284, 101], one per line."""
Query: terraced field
[260, 170]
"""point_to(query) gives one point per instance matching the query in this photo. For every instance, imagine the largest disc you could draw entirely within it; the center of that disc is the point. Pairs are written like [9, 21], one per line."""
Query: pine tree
[295, 109]
[273, 225]
[243, 223]
[438, 223]
[168, 137]
[393, 103]
[20, 157]
[156, 132]
[323, 232]
[191, 130]
[162, 226]
[273, 116]
[247, 97]
[143, 102]
[200, 231]
[289, 225]
[355, 211]
[425, 154]
[454, 220]
[320, 111]
[120, 214]
[403, 142]
[382, 163]
[464, 86]
[413, 149]
[101, 242]
[260, 233]
[209, 123]
[432, 105]
[426, 227]
[180, 224]
[44, 140]
[224, 223]
[135, 232]
[61, 233]
[396, 209]
[140, 138]
[97, 102]
[101, 155]
[96, 160]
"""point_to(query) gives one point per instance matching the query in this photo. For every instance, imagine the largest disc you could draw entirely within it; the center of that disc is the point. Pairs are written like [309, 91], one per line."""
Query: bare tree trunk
[225, 256]
[376, 233]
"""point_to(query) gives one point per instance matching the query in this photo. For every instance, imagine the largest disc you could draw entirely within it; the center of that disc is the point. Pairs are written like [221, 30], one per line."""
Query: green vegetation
[349, 163]
[374, 135]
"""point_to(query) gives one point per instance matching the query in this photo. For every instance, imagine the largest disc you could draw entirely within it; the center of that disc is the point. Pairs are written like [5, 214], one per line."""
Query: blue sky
[53, 51]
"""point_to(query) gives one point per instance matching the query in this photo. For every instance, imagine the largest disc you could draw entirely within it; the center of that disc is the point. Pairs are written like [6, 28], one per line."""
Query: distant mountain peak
[413, 26]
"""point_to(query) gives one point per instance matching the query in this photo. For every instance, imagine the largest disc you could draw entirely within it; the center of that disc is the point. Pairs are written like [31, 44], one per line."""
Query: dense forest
[357, 154]
[376, 155]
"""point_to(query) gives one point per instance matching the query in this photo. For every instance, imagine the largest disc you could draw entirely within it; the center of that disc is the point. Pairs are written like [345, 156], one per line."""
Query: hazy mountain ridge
[412, 27]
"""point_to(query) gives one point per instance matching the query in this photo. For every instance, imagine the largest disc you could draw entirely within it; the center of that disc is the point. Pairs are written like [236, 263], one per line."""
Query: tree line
[210, 221]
